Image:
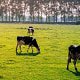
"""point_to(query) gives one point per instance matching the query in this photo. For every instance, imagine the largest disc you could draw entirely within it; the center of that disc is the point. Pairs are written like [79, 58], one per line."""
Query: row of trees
[39, 10]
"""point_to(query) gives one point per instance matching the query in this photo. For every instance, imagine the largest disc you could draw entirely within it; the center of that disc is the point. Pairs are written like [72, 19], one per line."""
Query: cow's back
[78, 49]
[26, 39]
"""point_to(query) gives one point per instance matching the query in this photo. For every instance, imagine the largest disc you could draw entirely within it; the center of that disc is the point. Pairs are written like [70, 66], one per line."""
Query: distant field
[50, 64]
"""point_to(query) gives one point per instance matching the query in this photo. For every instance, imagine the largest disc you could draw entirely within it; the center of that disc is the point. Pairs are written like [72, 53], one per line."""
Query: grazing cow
[30, 30]
[27, 40]
[74, 53]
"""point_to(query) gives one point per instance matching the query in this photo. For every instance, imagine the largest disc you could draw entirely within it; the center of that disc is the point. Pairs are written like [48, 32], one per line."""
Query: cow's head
[38, 49]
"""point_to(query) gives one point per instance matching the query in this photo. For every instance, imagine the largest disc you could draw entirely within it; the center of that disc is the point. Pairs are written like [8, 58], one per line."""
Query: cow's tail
[35, 44]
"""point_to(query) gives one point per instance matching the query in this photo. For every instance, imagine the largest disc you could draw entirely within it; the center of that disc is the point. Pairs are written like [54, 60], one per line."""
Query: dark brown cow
[74, 53]
[30, 30]
[27, 40]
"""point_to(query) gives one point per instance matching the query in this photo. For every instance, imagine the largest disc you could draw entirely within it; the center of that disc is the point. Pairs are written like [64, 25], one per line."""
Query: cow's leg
[75, 64]
[16, 47]
[28, 33]
[32, 33]
[30, 45]
[28, 48]
[32, 48]
[20, 48]
[69, 60]
[20, 44]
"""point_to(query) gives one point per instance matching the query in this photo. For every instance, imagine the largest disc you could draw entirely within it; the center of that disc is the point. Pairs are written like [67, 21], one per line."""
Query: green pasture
[50, 64]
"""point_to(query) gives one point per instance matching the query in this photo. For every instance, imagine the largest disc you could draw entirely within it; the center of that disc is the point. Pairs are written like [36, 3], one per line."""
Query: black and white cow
[30, 30]
[27, 40]
[74, 53]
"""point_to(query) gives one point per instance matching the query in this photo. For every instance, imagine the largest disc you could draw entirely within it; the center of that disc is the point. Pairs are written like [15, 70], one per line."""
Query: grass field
[50, 64]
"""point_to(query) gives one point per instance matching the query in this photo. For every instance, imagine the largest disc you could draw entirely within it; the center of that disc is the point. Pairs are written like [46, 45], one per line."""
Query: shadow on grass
[1, 77]
[27, 54]
[75, 73]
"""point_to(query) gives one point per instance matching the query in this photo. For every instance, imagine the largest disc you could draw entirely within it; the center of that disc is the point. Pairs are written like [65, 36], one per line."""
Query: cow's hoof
[38, 52]
[76, 69]
[27, 51]
[20, 51]
[67, 68]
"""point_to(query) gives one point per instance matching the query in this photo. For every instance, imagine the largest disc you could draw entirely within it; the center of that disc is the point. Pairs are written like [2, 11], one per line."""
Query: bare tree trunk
[24, 15]
[41, 16]
[38, 15]
[46, 17]
[33, 17]
[56, 16]
[16, 14]
[19, 18]
[9, 15]
[64, 16]
[2, 15]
